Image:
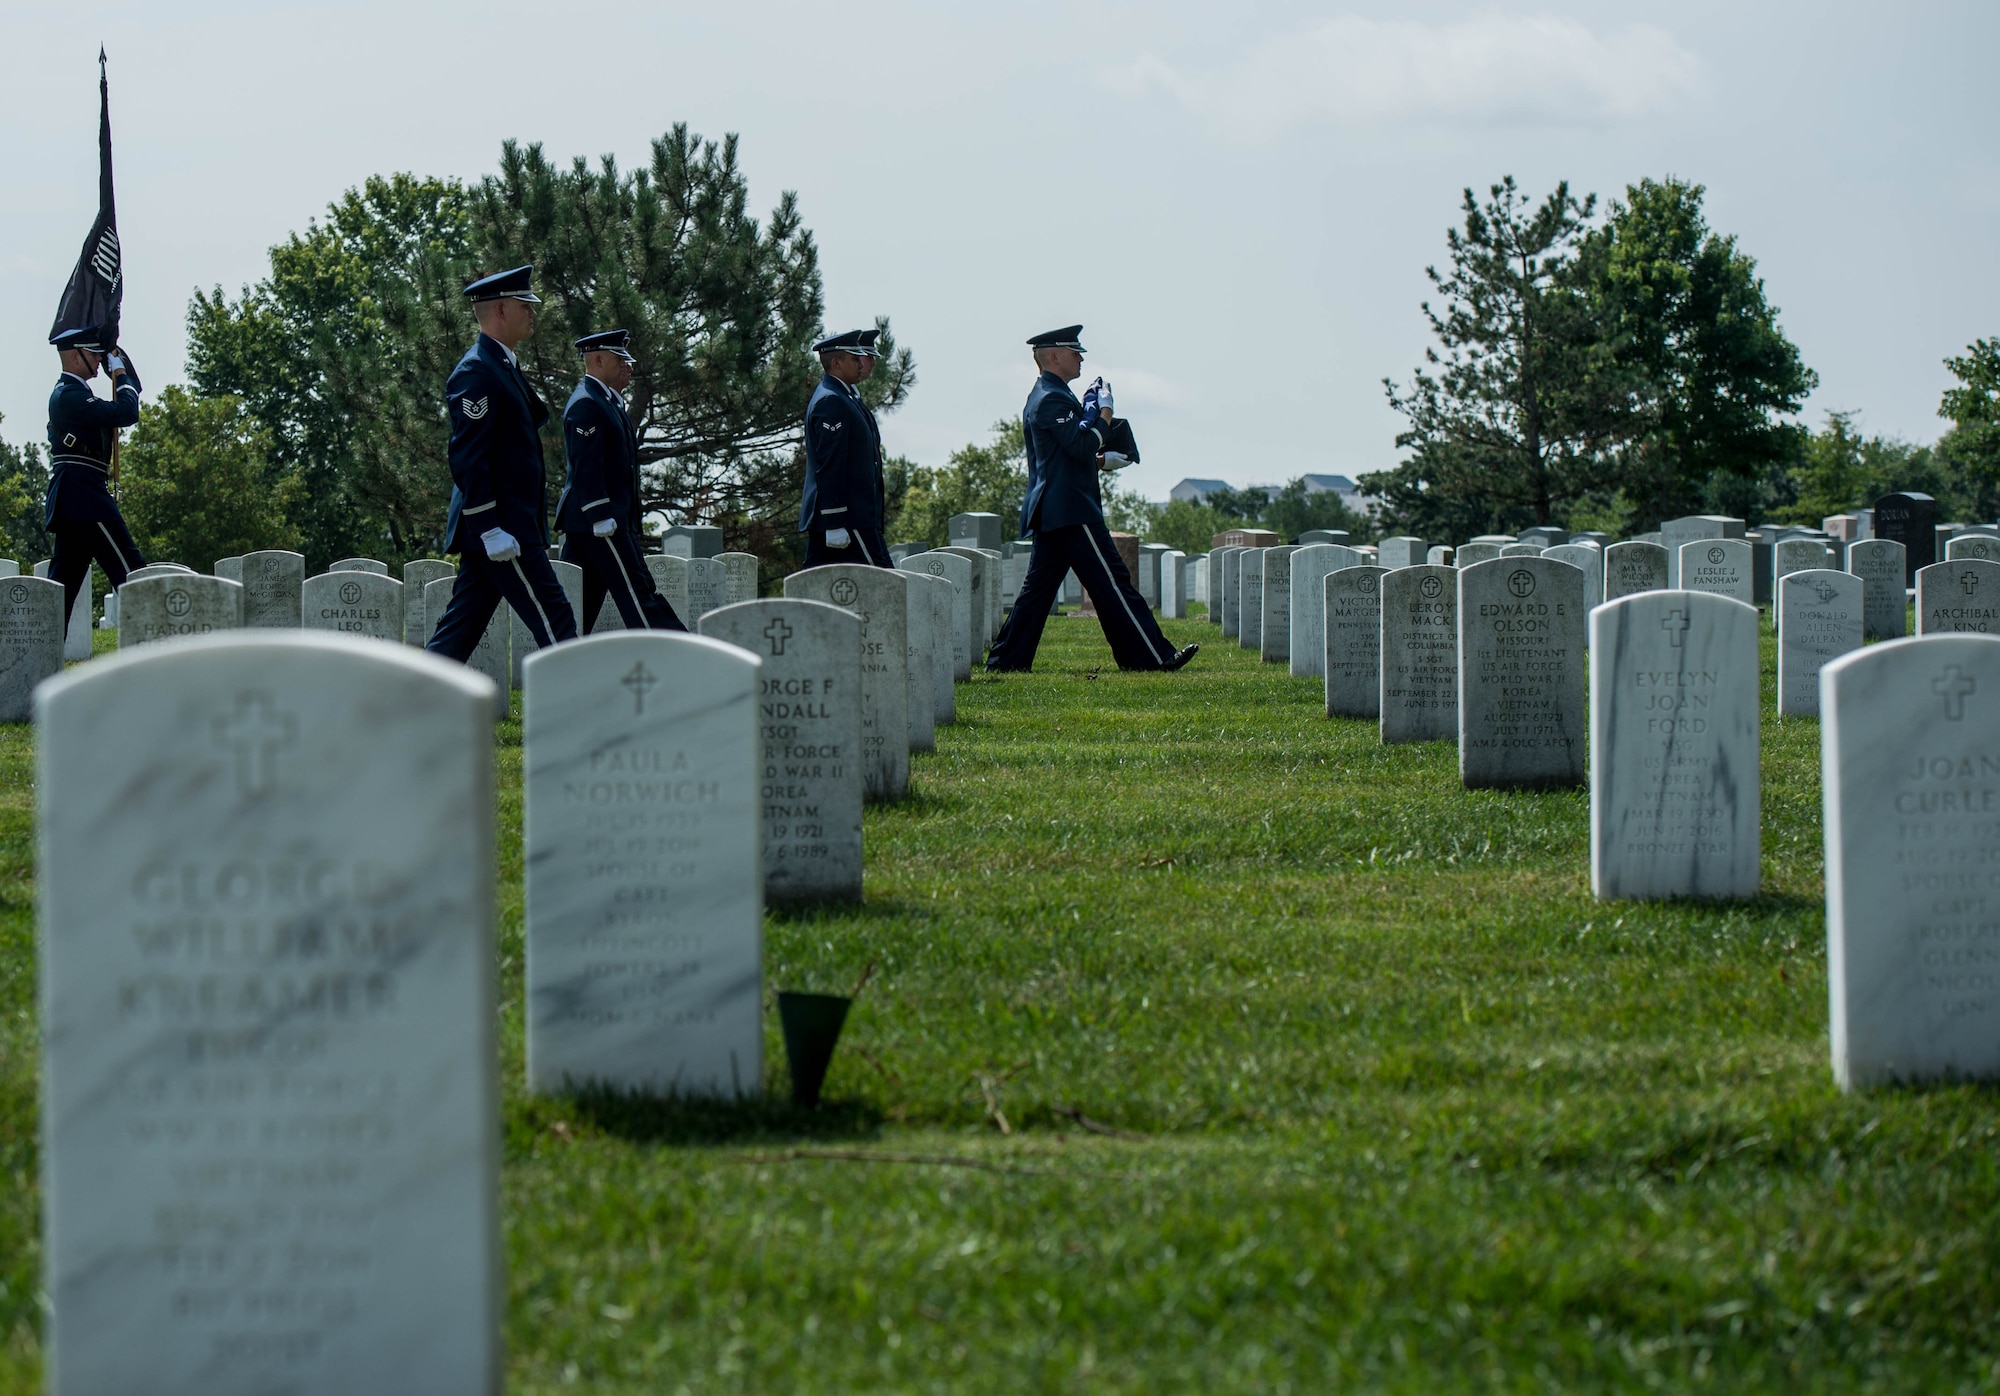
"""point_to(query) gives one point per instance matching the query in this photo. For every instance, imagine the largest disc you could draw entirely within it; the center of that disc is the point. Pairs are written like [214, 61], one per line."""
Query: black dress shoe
[1181, 657]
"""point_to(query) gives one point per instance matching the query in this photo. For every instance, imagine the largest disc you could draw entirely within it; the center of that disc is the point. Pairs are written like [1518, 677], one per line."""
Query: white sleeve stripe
[481, 508]
[841, 510]
[595, 502]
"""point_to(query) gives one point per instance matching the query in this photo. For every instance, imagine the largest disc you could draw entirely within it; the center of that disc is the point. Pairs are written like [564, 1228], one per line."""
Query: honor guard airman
[496, 523]
[598, 513]
[80, 510]
[842, 512]
[1068, 441]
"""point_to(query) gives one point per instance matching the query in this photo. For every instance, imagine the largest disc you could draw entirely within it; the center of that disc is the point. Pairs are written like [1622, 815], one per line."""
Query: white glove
[836, 537]
[500, 545]
[1115, 460]
[1104, 397]
[604, 528]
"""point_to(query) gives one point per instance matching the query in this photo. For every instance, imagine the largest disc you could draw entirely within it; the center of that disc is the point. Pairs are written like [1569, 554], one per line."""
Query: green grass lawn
[1213, 1046]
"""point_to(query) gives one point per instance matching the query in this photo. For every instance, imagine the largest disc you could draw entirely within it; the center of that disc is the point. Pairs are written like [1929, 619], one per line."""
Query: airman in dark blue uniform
[598, 514]
[497, 522]
[842, 512]
[1067, 443]
[80, 510]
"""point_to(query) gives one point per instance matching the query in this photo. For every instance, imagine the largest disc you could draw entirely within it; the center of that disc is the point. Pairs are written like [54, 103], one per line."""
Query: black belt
[103, 467]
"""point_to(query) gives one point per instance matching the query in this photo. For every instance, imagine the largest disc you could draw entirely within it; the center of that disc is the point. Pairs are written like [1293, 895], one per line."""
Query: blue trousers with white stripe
[612, 567]
[1087, 550]
[527, 583]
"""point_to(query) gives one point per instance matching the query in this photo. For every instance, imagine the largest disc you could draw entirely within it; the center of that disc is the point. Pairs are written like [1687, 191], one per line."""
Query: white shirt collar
[616, 396]
[503, 349]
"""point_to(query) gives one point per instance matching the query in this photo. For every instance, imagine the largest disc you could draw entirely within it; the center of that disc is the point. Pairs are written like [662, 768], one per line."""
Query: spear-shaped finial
[100, 56]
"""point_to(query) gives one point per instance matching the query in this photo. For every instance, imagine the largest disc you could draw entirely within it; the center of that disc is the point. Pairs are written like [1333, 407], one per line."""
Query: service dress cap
[853, 341]
[505, 285]
[617, 342]
[82, 337]
[1068, 337]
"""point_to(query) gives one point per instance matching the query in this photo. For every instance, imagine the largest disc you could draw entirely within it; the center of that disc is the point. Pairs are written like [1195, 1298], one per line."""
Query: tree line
[1614, 372]
[1591, 371]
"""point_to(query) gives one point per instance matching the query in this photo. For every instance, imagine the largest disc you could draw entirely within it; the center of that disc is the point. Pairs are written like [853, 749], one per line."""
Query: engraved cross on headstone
[639, 681]
[777, 632]
[1954, 685]
[258, 732]
[1675, 623]
[1968, 581]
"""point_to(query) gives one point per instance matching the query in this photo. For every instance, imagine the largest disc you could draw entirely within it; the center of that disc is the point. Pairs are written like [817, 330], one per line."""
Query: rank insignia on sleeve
[586, 431]
[473, 410]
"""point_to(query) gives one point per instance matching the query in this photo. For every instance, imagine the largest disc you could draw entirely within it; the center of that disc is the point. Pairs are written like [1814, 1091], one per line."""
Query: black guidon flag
[96, 290]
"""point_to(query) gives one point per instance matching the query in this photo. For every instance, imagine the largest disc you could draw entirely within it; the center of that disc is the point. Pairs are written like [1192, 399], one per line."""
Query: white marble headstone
[1351, 652]
[1883, 567]
[172, 605]
[1402, 550]
[229, 567]
[1630, 568]
[707, 588]
[1983, 546]
[1521, 550]
[1958, 598]
[418, 574]
[984, 602]
[1274, 632]
[1173, 584]
[960, 573]
[739, 577]
[1439, 555]
[1674, 725]
[944, 688]
[876, 595]
[31, 641]
[272, 583]
[1248, 567]
[810, 701]
[1790, 555]
[1521, 719]
[1471, 554]
[1723, 566]
[489, 656]
[1819, 620]
[642, 822]
[920, 669]
[1226, 571]
[1419, 654]
[269, 1083]
[1912, 790]
[520, 639]
[1588, 559]
[76, 639]
[1310, 565]
[360, 564]
[356, 602]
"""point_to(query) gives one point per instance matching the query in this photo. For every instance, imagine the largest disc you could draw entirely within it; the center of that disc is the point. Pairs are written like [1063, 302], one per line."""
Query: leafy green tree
[990, 478]
[1972, 446]
[24, 486]
[1294, 509]
[1128, 511]
[1189, 526]
[343, 351]
[1839, 470]
[1688, 325]
[1522, 404]
[197, 482]
[325, 356]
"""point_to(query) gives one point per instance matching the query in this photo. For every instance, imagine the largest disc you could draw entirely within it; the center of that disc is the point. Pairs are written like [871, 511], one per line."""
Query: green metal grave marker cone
[812, 1024]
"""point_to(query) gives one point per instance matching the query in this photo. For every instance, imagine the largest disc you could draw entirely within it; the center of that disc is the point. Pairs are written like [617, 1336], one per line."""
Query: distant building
[1196, 491]
[1349, 492]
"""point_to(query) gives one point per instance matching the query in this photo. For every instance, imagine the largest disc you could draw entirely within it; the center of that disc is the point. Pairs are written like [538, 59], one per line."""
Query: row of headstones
[267, 956]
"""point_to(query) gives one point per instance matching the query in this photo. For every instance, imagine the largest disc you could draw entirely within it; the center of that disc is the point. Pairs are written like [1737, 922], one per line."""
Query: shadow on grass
[768, 1118]
[893, 909]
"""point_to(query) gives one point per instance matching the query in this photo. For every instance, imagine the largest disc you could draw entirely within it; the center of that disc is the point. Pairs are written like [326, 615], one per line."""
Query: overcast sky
[1238, 201]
